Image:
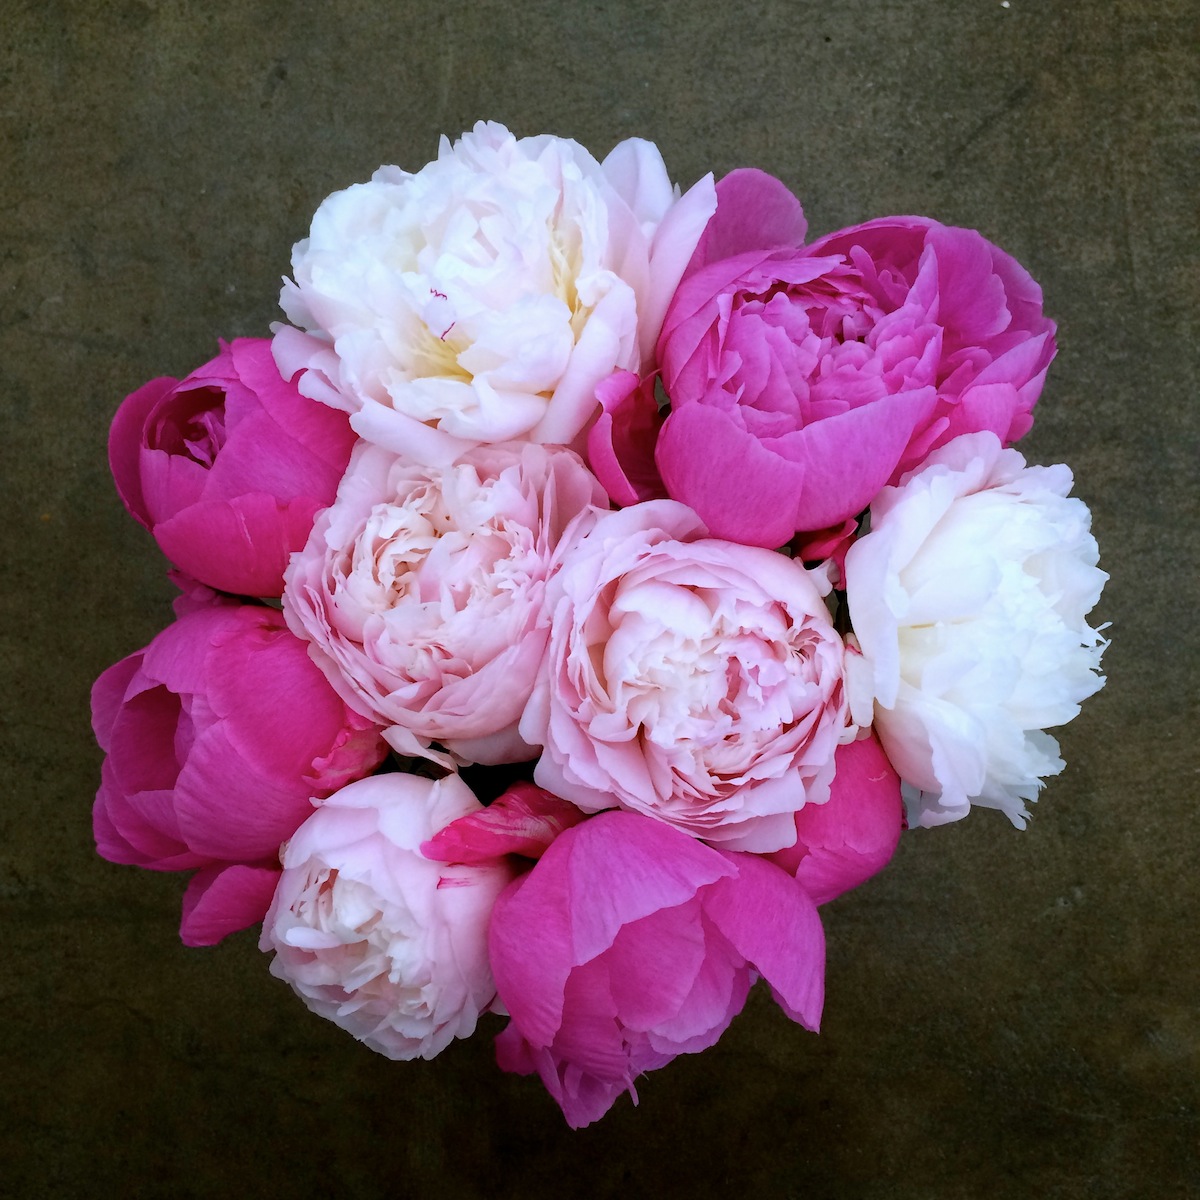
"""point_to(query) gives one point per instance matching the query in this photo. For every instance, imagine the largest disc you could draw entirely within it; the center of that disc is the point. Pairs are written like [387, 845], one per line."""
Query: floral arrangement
[585, 583]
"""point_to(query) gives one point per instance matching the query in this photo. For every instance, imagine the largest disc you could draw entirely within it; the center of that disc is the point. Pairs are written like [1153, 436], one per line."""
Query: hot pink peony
[690, 679]
[853, 836]
[802, 380]
[228, 467]
[422, 591]
[630, 943]
[374, 936]
[217, 735]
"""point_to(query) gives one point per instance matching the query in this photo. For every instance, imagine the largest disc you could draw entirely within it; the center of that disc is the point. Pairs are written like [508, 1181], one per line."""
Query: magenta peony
[422, 590]
[217, 736]
[690, 679]
[630, 943]
[802, 380]
[228, 467]
[843, 842]
[374, 936]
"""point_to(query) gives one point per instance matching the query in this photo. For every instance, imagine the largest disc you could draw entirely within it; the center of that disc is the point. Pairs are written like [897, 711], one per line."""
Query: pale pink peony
[483, 298]
[630, 943]
[803, 379]
[853, 836]
[228, 467]
[968, 599]
[372, 935]
[421, 591]
[691, 679]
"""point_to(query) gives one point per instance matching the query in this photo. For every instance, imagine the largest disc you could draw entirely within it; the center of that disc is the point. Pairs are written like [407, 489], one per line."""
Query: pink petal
[529, 946]
[623, 867]
[851, 837]
[524, 820]
[221, 900]
[755, 211]
[108, 694]
[773, 923]
[653, 964]
[227, 810]
[971, 296]
[620, 444]
[739, 489]
[717, 995]
[139, 829]
[240, 546]
[142, 743]
[126, 438]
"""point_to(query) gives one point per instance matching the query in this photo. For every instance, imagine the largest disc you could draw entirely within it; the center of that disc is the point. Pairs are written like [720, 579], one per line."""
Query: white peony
[968, 598]
[484, 298]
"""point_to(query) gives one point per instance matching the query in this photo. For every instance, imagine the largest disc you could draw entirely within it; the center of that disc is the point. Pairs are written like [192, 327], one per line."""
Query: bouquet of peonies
[696, 547]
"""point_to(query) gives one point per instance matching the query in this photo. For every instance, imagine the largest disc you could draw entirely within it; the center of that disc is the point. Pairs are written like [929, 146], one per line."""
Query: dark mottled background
[1009, 1014]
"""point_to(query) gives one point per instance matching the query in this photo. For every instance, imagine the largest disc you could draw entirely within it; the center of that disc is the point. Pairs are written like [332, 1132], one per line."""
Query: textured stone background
[1009, 1014]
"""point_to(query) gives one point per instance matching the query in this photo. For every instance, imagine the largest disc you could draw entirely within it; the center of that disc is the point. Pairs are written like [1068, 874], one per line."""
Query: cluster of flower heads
[713, 531]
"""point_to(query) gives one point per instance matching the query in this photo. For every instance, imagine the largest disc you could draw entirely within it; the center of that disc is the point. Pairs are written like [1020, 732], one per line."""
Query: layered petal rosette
[372, 935]
[484, 297]
[630, 943]
[228, 467]
[217, 736]
[968, 599]
[690, 679]
[422, 591]
[802, 380]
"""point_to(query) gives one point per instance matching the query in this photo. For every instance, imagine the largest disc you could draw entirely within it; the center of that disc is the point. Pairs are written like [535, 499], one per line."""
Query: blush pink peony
[690, 679]
[803, 379]
[228, 467]
[630, 943]
[374, 936]
[421, 591]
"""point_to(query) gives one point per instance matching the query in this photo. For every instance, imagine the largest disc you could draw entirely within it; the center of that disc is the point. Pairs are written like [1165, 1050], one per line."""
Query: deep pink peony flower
[421, 591]
[630, 943]
[694, 680]
[217, 736]
[802, 380]
[853, 835]
[228, 467]
[371, 933]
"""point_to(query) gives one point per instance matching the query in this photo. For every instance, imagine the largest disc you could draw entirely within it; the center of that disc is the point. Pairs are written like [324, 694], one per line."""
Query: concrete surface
[1009, 1014]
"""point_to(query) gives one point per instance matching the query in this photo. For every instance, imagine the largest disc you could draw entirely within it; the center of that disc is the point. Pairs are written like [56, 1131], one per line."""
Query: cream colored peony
[483, 298]
[968, 599]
